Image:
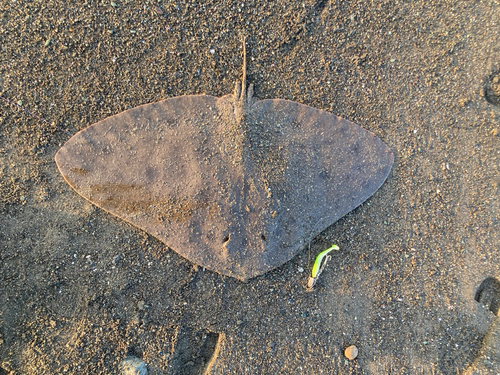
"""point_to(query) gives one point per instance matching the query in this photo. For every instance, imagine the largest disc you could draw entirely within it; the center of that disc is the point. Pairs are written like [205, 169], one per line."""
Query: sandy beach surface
[81, 289]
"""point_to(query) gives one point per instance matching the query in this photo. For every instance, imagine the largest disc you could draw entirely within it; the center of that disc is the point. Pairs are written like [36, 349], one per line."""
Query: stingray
[234, 184]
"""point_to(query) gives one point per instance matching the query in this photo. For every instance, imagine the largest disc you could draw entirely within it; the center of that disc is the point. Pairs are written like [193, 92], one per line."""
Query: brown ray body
[234, 184]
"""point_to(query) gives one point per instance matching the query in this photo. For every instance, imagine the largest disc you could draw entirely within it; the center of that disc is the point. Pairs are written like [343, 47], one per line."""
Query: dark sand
[80, 288]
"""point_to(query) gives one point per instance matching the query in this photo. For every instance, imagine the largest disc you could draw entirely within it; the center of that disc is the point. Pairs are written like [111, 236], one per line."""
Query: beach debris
[233, 184]
[351, 352]
[319, 265]
[488, 294]
[133, 366]
[492, 89]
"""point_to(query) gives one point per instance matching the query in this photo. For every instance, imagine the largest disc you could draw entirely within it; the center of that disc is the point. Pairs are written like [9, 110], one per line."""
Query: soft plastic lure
[319, 265]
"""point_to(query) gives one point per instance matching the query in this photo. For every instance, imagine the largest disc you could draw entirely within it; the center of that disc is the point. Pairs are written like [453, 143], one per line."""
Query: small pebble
[117, 259]
[133, 366]
[301, 269]
[351, 352]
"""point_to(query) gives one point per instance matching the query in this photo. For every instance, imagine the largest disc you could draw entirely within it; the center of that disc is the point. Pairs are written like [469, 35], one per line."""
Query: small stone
[301, 269]
[133, 366]
[494, 132]
[351, 352]
[113, 4]
[116, 259]
[140, 305]
[48, 42]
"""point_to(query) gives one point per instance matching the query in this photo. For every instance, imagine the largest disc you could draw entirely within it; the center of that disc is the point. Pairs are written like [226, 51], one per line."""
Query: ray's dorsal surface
[234, 184]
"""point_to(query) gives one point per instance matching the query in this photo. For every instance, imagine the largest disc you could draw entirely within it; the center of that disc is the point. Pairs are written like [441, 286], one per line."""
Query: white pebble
[133, 366]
